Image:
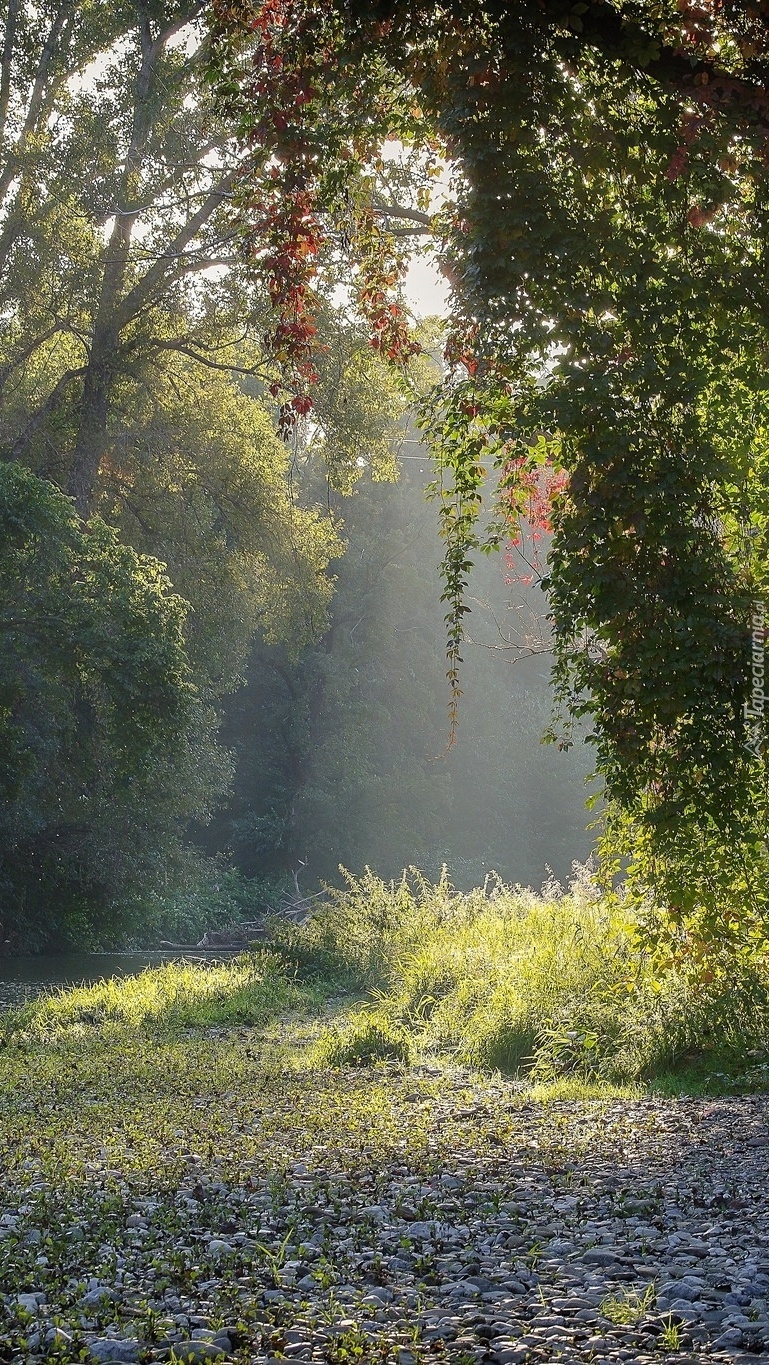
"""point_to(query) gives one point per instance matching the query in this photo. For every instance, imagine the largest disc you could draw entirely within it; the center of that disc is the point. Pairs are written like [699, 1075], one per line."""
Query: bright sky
[426, 289]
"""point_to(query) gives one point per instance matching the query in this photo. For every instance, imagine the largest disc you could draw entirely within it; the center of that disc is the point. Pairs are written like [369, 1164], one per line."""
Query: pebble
[30, 1303]
[121, 1352]
[195, 1352]
[510, 1232]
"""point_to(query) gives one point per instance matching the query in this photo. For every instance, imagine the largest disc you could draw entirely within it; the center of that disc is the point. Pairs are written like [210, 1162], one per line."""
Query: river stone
[98, 1296]
[423, 1232]
[30, 1302]
[731, 1337]
[106, 1349]
[600, 1256]
[195, 1352]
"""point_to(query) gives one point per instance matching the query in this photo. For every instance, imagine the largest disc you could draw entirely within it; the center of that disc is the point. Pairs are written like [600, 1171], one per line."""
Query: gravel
[601, 1231]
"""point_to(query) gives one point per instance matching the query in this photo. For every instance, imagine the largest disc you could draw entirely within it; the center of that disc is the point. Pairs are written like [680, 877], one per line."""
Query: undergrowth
[550, 985]
[556, 988]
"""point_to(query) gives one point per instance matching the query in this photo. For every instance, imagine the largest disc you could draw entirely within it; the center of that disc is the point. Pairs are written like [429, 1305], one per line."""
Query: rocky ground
[459, 1223]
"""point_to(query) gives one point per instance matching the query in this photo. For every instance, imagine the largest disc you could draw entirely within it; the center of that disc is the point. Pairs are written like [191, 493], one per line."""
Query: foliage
[554, 986]
[124, 352]
[104, 743]
[606, 226]
[368, 1037]
[204, 483]
[200, 894]
[133, 376]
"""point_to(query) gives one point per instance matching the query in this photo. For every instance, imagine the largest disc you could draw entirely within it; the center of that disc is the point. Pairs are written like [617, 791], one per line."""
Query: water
[22, 978]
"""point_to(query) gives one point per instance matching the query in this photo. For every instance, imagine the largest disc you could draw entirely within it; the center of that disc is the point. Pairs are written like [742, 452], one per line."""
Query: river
[22, 978]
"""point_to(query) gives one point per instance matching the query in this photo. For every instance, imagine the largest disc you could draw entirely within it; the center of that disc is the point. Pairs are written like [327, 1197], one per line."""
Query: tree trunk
[97, 387]
[92, 430]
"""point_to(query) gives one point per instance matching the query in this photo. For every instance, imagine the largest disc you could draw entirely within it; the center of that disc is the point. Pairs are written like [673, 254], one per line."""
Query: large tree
[606, 240]
[132, 377]
[132, 370]
[112, 183]
[105, 741]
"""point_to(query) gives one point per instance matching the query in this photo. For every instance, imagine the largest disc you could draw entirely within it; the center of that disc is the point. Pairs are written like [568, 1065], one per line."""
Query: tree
[132, 378]
[98, 270]
[132, 370]
[605, 242]
[104, 740]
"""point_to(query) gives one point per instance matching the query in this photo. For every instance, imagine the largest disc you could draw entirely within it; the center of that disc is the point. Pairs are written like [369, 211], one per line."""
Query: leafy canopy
[132, 375]
[605, 238]
[104, 744]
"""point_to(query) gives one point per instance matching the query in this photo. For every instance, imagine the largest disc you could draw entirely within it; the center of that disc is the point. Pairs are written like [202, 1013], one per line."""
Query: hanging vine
[605, 243]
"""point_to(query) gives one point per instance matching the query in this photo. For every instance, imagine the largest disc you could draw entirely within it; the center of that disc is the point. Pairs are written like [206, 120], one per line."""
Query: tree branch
[6, 61]
[157, 275]
[45, 409]
[181, 345]
[400, 211]
[187, 17]
[621, 37]
[28, 351]
[52, 47]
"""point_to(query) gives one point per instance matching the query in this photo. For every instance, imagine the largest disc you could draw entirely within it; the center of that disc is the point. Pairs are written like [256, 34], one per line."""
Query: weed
[351, 1345]
[370, 1037]
[556, 986]
[669, 1338]
[629, 1306]
[276, 1259]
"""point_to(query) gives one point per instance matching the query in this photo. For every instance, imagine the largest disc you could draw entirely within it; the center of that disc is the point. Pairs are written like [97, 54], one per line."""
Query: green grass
[554, 987]
[629, 1306]
[215, 1082]
[251, 989]
[369, 1037]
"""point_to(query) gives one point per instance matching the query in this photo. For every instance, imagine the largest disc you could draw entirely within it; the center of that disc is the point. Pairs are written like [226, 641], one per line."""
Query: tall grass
[554, 984]
[177, 995]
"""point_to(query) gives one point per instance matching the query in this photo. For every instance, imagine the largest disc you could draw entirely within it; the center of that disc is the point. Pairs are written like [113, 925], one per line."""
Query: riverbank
[205, 1193]
[295, 1154]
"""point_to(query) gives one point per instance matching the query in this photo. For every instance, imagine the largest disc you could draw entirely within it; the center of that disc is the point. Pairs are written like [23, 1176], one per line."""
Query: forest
[384, 783]
[222, 652]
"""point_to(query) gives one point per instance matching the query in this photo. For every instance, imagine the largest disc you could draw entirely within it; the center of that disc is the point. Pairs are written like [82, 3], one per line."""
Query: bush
[370, 1037]
[555, 985]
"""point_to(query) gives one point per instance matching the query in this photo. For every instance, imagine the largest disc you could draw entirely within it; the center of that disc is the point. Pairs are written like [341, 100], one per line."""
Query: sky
[426, 290]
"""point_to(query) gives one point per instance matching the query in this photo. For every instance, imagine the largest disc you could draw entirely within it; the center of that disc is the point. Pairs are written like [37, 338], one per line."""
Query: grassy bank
[250, 989]
[555, 989]
[550, 987]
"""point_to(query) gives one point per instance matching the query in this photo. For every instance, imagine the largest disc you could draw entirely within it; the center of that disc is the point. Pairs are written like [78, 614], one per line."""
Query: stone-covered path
[459, 1223]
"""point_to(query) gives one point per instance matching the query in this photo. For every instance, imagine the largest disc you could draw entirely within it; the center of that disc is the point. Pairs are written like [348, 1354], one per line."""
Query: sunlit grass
[251, 989]
[628, 1307]
[552, 987]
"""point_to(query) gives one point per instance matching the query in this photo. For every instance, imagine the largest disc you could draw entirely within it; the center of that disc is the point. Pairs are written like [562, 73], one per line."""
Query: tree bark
[100, 372]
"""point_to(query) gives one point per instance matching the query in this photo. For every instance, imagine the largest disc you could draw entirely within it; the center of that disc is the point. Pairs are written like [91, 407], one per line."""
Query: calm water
[21, 978]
